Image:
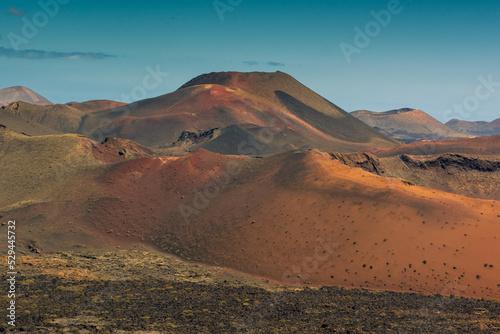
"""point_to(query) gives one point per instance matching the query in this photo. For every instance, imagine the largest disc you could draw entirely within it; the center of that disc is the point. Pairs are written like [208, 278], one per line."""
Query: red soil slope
[40, 169]
[284, 91]
[300, 218]
[233, 107]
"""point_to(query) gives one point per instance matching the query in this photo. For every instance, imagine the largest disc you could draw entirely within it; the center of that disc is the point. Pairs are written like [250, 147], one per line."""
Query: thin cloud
[273, 63]
[251, 62]
[13, 11]
[41, 54]
[255, 63]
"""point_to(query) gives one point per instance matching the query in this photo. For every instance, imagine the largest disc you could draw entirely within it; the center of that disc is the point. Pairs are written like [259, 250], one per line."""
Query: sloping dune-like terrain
[296, 217]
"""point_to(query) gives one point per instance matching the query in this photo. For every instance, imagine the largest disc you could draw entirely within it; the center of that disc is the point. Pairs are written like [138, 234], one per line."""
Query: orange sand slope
[297, 217]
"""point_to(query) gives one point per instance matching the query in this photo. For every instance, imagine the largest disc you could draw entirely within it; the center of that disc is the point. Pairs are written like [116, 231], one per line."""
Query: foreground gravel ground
[146, 292]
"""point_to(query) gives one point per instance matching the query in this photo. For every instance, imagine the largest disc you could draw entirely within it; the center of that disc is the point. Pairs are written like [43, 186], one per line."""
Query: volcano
[237, 113]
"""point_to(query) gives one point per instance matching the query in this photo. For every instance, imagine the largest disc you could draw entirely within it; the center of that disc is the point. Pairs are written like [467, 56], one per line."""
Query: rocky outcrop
[196, 138]
[367, 161]
[457, 161]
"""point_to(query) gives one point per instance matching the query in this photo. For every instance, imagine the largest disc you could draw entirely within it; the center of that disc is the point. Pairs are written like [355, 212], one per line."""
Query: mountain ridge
[478, 128]
[407, 124]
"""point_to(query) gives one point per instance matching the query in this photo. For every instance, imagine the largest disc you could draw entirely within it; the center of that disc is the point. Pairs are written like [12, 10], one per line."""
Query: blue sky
[438, 56]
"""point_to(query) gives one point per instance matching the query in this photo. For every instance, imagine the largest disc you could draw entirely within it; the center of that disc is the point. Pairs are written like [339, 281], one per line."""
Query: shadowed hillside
[283, 90]
[242, 112]
[19, 124]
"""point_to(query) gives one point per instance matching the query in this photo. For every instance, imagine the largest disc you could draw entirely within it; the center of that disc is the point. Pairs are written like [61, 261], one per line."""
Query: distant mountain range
[407, 125]
[221, 110]
[475, 128]
[20, 93]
